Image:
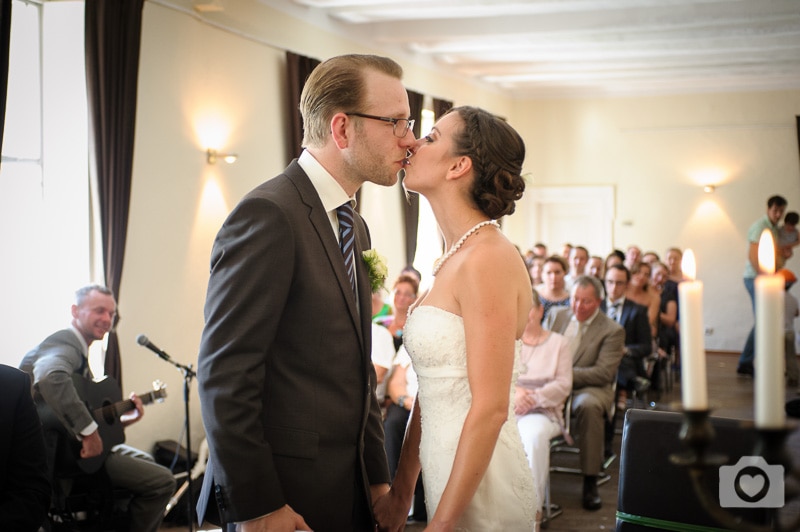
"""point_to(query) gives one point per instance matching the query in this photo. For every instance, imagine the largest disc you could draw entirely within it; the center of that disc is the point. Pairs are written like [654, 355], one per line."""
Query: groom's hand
[391, 512]
[282, 520]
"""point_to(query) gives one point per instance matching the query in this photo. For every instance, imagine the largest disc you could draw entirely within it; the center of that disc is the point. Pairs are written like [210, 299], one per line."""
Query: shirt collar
[619, 302]
[80, 339]
[330, 191]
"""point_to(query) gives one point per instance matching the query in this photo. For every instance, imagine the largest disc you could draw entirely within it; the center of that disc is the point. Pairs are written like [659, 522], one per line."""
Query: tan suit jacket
[594, 370]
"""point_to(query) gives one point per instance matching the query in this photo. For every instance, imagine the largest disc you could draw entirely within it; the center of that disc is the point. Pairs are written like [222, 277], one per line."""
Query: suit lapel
[320, 222]
[627, 308]
[560, 323]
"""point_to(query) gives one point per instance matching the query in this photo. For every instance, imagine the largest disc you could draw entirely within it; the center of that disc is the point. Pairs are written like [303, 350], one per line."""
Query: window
[44, 185]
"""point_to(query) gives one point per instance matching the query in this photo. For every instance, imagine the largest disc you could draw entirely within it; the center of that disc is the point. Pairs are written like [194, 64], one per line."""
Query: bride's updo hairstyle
[497, 152]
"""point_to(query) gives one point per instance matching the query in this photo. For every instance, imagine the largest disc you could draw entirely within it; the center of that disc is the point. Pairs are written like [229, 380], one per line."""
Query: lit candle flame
[766, 252]
[688, 265]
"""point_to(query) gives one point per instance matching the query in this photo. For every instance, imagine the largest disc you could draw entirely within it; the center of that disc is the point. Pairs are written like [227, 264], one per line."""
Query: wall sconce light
[709, 189]
[208, 6]
[212, 156]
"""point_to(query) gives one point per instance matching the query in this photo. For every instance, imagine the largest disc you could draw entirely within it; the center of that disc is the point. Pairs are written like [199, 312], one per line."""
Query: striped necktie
[347, 241]
[613, 312]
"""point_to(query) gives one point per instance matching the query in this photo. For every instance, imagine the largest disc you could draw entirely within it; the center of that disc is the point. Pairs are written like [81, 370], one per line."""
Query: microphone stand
[188, 375]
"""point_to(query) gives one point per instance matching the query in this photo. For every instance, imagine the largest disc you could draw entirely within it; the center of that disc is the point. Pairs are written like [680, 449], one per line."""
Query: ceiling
[579, 48]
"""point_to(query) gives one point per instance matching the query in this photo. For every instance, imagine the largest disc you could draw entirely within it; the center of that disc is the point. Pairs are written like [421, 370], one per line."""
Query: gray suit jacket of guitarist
[51, 366]
[597, 356]
[285, 379]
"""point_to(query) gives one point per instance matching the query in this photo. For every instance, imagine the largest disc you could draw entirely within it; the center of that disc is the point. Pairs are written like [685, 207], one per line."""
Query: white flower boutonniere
[376, 266]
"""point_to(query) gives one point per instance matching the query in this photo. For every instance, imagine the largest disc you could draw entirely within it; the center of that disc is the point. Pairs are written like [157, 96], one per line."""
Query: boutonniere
[376, 267]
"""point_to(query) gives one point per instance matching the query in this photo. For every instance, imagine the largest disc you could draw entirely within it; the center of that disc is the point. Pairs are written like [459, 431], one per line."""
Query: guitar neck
[120, 407]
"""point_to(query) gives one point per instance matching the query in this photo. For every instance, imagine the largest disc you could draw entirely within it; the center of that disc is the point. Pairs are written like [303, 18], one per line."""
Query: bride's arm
[391, 510]
[489, 296]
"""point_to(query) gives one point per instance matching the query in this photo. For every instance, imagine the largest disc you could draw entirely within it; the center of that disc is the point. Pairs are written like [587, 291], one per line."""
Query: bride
[463, 337]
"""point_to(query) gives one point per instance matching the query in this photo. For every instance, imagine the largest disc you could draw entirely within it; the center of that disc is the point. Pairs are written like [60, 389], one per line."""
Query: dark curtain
[113, 33]
[797, 118]
[5, 35]
[298, 68]
[411, 205]
[440, 107]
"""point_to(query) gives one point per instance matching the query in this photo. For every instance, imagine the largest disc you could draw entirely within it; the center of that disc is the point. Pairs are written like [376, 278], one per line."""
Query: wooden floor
[730, 396]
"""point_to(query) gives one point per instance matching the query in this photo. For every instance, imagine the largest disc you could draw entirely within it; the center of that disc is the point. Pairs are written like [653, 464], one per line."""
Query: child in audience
[788, 235]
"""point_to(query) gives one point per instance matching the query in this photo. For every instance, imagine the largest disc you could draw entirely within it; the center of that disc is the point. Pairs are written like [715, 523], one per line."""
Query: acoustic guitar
[104, 400]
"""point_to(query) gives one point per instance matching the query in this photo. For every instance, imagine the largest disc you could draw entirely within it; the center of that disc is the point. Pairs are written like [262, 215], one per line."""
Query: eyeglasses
[404, 123]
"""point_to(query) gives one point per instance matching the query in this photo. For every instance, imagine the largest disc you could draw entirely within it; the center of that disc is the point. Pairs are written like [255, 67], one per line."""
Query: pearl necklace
[440, 262]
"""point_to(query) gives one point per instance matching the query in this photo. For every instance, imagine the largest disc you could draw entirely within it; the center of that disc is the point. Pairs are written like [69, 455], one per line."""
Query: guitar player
[53, 365]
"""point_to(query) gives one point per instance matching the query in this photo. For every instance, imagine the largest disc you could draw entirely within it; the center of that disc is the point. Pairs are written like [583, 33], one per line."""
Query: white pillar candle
[693, 355]
[769, 353]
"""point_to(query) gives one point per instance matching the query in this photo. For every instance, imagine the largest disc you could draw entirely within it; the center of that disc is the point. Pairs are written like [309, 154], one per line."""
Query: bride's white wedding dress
[505, 499]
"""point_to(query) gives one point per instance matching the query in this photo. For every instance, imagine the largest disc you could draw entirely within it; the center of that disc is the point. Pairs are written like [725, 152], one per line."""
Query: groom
[285, 377]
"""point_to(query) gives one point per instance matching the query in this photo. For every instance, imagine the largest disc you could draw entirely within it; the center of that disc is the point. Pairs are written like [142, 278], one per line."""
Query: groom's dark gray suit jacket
[285, 378]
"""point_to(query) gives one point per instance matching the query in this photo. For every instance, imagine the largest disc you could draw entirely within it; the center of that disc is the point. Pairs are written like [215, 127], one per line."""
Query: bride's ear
[461, 167]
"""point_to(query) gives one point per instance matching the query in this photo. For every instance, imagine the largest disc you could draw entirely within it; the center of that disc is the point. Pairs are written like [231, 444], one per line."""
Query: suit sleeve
[644, 344]
[52, 373]
[26, 487]
[604, 371]
[251, 271]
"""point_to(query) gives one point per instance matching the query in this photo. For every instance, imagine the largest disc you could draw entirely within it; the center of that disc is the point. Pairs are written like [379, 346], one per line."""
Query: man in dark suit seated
[633, 318]
[52, 365]
[25, 489]
[598, 349]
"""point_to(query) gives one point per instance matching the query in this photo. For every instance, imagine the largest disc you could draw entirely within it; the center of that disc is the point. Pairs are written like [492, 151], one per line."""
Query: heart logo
[752, 484]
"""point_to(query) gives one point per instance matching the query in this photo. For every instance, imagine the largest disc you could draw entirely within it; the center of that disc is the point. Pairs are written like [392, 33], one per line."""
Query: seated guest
[25, 489]
[615, 257]
[674, 258]
[599, 343]
[543, 385]
[668, 338]
[640, 291]
[638, 338]
[578, 259]
[553, 291]
[535, 270]
[596, 267]
[405, 293]
[650, 257]
[540, 250]
[633, 256]
[566, 251]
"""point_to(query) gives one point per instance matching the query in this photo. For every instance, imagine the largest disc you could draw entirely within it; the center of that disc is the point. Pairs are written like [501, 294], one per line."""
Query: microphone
[142, 340]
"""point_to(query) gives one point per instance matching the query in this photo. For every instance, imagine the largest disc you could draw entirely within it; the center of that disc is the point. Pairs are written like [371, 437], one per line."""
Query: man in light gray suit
[600, 343]
[286, 382]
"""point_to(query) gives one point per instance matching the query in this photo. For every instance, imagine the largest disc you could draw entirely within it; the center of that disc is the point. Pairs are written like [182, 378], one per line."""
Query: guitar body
[103, 399]
[101, 395]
